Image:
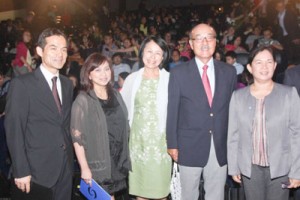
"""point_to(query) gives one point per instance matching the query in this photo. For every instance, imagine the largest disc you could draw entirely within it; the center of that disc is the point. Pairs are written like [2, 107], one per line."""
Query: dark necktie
[206, 85]
[55, 94]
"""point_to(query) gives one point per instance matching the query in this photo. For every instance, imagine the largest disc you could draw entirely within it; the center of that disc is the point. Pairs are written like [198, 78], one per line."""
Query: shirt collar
[282, 13]
[48, 75]
[200, 64]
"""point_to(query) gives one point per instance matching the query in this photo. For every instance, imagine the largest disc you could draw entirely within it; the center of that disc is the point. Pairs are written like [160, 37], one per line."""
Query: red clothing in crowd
[22, 50]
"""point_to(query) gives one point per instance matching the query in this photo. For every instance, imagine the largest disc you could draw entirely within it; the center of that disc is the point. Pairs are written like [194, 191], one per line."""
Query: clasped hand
[23, 183]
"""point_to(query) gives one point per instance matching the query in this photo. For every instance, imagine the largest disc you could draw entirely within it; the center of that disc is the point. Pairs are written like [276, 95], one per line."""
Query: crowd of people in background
[121, 39]
[240, 27]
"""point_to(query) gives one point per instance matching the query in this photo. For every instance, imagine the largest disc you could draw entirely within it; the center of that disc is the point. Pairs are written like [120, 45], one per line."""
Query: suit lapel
[218, 84]
[221, 84]
[64, 93]
[46, 92]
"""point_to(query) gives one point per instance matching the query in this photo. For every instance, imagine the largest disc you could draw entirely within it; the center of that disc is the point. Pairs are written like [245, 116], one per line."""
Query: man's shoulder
[183, 66]
[294, 70]
[220, 65]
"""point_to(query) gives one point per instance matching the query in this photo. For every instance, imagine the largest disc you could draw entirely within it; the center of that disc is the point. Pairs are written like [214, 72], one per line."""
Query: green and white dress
[151, 165]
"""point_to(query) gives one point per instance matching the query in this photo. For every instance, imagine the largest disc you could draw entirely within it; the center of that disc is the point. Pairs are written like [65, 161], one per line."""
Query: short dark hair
[231, 54]
[268, 29]
[117, 54]
[92, 62]
[258, 50]
[161, 43]
[48, 33]
[176, 50]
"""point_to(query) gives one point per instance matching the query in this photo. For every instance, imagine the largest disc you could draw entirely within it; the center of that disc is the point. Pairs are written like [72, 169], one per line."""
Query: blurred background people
[22, 63]
[176, 59]
[230, 57]
[119, 67]
[288, 30]
[267, 40]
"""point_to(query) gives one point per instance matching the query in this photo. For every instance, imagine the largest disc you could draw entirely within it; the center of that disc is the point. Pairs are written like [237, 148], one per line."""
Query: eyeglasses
[208, 38]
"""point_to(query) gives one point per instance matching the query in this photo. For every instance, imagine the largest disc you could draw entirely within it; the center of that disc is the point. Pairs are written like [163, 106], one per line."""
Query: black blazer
[38, 137]
[290, 24]
[191, 121]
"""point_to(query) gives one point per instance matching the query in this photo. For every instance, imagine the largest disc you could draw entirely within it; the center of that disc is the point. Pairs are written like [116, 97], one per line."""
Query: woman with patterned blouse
[145, 93]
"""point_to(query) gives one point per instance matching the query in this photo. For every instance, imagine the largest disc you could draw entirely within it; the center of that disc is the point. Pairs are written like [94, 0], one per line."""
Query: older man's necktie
[206, 85]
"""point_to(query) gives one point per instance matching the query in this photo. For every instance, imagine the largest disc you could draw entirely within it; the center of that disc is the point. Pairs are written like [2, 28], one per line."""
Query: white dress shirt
[48, 76]
[281, 16]
[210, 73]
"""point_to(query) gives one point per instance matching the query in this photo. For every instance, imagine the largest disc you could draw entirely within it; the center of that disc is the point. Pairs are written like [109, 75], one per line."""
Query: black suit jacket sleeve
[17, 109]
[291, 25]
[173, 109]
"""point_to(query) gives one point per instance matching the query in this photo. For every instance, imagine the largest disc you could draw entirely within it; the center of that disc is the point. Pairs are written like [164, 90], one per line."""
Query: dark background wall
[7, 5]
[12, 8]
[114, 5]
[133, 4]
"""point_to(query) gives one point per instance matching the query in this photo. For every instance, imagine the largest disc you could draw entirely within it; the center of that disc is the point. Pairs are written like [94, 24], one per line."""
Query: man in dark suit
[37, 125]
[199, 95]
[288, 31]
[292, 78]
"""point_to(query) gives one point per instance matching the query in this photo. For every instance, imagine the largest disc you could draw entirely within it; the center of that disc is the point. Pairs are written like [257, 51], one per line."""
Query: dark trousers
[261, 187]
[297, 194]
[60, 191]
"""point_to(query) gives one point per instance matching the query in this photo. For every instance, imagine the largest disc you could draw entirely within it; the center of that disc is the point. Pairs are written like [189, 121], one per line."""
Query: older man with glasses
[199, 95]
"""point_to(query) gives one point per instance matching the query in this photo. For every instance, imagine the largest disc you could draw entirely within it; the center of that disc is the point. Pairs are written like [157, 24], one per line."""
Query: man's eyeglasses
[208, 38]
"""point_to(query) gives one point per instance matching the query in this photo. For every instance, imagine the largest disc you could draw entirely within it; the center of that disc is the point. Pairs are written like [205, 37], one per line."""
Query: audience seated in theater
[231, 59]
[119, 67]
[108, 46]
[176, 59]
[267, 40]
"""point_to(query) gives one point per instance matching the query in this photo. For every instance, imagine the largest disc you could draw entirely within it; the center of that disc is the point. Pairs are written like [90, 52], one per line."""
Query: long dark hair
[92, 62]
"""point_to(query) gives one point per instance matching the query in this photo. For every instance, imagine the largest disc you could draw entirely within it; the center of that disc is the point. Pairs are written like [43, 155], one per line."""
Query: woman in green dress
[145, 93]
